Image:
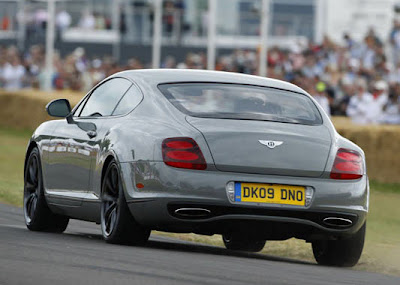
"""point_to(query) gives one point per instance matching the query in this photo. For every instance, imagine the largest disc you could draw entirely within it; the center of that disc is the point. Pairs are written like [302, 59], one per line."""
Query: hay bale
[26, 109]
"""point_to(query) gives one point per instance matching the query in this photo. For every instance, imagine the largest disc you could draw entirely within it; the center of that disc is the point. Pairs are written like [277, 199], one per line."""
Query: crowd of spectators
[353, 79]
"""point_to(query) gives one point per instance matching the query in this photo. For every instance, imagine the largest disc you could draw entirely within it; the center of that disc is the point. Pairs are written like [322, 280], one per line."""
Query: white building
[356, 17]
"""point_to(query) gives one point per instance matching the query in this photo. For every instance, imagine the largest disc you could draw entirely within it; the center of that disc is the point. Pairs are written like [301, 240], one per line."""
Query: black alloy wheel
[110, 200]
[38, 216]
[32, 188]
[117, 223]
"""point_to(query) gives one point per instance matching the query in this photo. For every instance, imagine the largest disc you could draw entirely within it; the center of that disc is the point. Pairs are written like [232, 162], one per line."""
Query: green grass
[12, 154]
[384, 187]
[382, 247]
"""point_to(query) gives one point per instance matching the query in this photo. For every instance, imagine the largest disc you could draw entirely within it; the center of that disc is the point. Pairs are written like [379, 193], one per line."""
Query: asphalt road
[80, 256]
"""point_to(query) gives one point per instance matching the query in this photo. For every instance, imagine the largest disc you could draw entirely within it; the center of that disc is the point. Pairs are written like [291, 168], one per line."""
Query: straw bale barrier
[26, 110]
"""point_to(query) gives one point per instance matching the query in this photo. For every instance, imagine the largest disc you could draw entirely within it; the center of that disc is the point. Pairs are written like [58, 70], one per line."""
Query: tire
[117, 223]
[38, 216]
[341, 253]
[242, 243]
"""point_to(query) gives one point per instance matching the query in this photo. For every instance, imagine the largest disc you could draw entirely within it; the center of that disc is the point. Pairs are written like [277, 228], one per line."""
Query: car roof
[159, 76]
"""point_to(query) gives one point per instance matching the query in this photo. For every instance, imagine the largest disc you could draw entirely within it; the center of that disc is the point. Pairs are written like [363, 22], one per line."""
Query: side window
[104, 98]
[130, 100]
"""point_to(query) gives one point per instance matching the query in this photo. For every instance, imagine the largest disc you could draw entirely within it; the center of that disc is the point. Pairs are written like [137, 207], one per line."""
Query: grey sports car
[250, 158]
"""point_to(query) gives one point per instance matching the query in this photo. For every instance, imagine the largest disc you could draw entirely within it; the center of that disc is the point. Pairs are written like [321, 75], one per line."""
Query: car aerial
[193, 151]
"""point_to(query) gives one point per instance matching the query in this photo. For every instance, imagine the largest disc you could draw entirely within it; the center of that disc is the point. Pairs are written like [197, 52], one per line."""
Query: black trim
[218, 211]
[139, 201]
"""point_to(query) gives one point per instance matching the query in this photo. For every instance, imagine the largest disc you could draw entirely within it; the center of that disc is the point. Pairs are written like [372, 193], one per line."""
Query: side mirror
[59, 108]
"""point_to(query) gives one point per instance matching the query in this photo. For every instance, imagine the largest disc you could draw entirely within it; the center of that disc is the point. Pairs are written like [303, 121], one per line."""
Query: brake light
[183, 153]
[348, 165]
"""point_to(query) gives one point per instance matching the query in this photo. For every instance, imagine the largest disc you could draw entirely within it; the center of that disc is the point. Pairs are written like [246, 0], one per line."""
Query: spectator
[134, 63]
[395, 41]
[169, 62]
[40, 19]
[360, 104]
[380, 99]
[368, 58]
[87, 21]
[63, 20]
[321, 97]
[349, 42]
[92, 75]
[5, 23]
[13, 73]
[34, 62]
[169, 17]
[352, 72]
[391, 111]
[348, 90]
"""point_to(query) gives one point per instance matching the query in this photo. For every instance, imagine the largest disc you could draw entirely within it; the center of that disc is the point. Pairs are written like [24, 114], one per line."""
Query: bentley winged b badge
[271, 144]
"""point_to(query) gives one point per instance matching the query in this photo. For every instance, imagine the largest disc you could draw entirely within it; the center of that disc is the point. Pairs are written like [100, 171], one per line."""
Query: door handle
[91, 134]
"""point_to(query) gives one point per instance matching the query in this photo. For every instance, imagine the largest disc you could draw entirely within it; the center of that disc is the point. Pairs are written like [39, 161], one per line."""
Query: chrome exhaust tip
[192, 212]
[337, 222]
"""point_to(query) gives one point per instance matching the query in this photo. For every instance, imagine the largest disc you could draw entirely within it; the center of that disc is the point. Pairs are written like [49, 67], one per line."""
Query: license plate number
[270, 193]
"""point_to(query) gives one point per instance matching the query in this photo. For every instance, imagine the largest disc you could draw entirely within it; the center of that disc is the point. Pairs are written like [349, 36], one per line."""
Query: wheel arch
[32, 144]
[107, 162]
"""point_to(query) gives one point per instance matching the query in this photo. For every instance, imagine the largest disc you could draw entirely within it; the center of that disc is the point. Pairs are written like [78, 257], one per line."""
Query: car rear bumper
[168, 189]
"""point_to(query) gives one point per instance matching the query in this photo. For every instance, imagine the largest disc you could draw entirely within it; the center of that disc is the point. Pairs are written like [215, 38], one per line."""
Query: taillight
[348, 164]
[183, 153]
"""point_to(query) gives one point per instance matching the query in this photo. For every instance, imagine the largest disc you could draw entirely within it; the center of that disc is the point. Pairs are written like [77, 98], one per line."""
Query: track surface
[80, 256]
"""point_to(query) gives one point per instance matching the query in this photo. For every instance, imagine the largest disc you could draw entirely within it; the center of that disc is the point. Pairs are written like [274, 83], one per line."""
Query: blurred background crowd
[357, 78]
[353, 79]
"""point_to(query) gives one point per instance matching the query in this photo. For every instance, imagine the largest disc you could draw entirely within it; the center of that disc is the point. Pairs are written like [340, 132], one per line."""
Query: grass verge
[382, 248]
[12, 154]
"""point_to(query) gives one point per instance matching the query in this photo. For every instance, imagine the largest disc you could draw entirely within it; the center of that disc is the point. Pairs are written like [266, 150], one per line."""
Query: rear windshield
[243, 102]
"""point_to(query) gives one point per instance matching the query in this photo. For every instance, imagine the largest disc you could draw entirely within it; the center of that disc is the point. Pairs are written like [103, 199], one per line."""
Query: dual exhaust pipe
[199, 213]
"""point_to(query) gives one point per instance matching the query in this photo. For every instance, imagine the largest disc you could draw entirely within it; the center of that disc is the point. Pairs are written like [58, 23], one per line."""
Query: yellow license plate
[270, 193]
